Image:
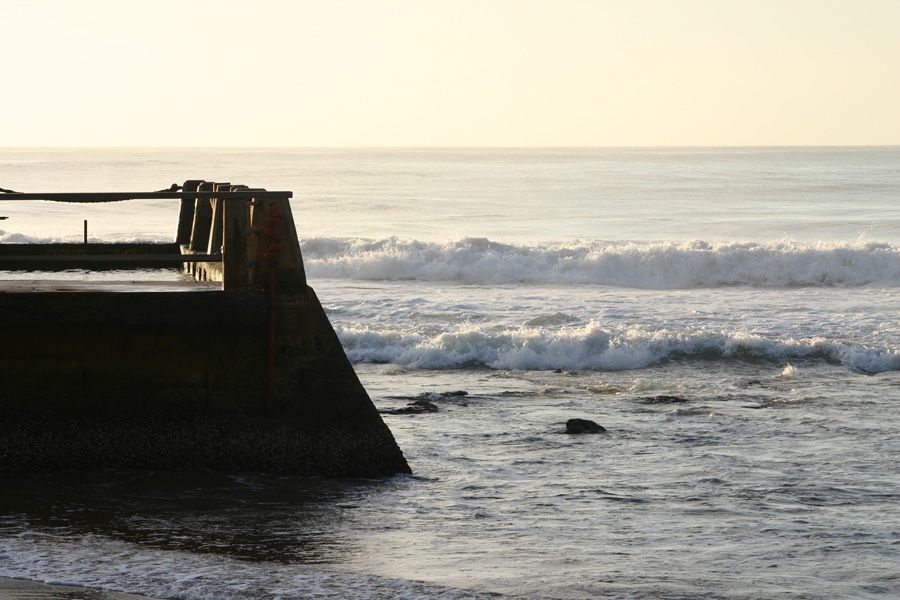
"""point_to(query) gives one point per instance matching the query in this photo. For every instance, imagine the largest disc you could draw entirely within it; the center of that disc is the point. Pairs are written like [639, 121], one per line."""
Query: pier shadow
[249, 517]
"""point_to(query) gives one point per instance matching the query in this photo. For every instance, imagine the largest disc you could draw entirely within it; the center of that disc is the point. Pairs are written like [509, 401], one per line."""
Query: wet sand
[20, 589]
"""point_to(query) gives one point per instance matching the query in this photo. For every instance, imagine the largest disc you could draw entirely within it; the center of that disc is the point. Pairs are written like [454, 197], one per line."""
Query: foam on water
[12, 237]
[649, 265]
[788, 372]
[97, 562]
[594, 347]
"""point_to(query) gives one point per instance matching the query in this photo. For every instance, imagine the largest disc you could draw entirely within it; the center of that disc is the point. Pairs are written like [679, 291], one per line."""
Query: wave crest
[593, 347]
[648, 265]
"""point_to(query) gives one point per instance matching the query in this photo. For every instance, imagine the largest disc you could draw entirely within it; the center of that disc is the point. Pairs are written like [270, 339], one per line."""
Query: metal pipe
[90, 197]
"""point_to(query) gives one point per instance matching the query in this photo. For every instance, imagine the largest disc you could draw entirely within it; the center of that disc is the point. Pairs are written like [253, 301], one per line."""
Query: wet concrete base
[258, 444]
[179, 380]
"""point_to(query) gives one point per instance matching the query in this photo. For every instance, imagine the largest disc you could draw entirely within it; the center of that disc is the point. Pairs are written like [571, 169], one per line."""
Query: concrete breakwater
[250, 377]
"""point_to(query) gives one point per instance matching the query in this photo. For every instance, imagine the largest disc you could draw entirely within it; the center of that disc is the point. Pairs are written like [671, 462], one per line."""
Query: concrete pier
[250, 377]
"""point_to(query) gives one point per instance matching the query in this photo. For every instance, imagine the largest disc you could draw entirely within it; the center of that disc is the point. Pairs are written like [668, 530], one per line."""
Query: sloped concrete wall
[178, 380]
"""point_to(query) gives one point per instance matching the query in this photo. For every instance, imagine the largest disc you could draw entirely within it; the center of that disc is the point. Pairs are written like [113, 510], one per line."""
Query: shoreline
[25, 589]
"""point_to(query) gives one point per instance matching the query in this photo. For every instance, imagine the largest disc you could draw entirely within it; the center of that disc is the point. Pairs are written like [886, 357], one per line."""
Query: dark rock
[558, 371]
[416, 407]
[583, 426]
[663, 400]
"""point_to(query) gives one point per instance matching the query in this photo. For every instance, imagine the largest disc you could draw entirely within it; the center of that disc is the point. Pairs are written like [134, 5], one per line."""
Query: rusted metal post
[85, 231]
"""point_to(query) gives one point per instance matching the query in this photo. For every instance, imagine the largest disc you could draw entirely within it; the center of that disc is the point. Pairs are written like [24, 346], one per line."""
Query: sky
[450, 72]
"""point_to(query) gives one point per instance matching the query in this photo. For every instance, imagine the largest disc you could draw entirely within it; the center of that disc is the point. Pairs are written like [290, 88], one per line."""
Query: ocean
[731, 316]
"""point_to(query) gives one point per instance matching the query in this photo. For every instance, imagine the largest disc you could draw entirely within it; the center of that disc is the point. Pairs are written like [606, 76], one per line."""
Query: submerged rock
[434, 396]
[583, 426]
[663, 400]
[415, 407]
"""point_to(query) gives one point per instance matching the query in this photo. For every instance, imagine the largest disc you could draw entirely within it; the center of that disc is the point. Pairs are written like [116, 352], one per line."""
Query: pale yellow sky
[449, 72]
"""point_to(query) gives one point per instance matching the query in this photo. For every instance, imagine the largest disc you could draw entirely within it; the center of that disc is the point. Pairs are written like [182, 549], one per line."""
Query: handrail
[90, 197]
[222, 234]
[104, 259]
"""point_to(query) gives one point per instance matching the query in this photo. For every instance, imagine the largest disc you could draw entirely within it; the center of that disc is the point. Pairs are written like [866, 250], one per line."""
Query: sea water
[730, 316]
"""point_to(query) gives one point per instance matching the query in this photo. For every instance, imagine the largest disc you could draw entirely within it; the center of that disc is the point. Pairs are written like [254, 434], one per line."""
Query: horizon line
[449, 147]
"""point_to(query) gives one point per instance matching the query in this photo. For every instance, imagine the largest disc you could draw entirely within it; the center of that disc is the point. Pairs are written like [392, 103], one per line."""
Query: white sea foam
[788, 372]
[7, 237]
[12, 237]
[102, 563]
[593, 347]
[649, 265]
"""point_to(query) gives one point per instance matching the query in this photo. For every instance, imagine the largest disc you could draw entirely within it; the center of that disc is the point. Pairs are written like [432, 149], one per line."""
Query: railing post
[256, 245]
[202, 221]
[186, 214]
[291, 275]
[215, 227]
[235, 243]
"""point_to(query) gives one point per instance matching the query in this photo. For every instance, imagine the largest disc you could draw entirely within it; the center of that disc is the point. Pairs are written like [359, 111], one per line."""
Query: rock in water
[415, 407]
[663, 400]
[583, 426]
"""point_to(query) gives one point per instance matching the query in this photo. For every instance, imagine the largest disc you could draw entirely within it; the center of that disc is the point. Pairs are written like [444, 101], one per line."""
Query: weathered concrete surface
[143, 253]
[177, 380]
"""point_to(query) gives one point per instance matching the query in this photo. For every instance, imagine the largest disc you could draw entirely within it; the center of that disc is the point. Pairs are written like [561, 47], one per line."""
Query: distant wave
[7, 237]
[649, 265]
[593, 347]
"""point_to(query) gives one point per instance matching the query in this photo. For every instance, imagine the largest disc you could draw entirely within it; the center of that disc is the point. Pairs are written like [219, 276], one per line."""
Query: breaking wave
[593, 347]
[649, 265]
[12, 237]
[7, 237]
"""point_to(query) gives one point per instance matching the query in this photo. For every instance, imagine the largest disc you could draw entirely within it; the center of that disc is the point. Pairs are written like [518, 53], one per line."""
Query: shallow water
[758, 292]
